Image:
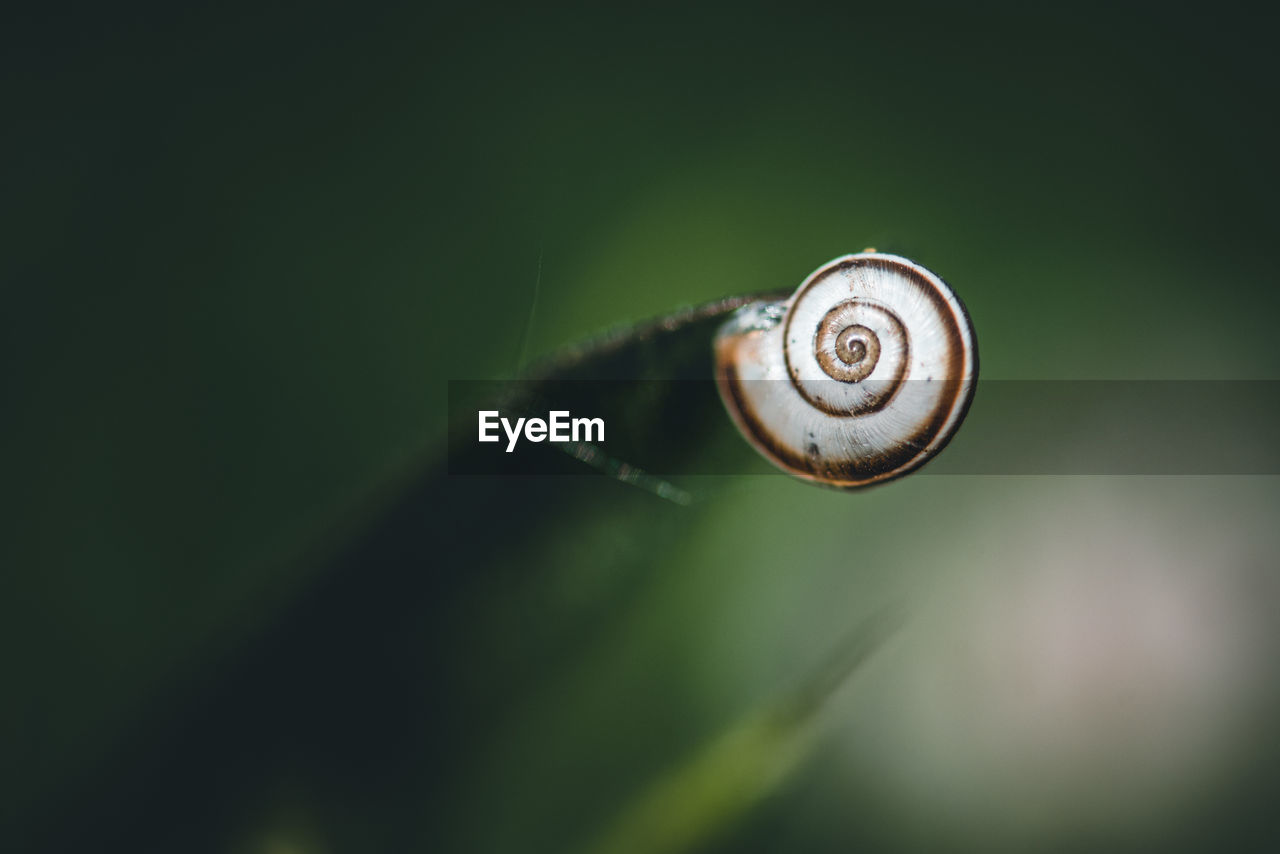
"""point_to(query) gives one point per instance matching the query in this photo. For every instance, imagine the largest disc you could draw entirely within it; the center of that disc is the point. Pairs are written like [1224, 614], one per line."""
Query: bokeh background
[247, 245]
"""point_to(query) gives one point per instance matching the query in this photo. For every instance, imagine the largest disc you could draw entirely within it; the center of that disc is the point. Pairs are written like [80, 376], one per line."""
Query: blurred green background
[246, 247]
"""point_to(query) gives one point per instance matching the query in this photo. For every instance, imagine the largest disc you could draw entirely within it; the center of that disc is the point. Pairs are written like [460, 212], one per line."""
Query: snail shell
[863, 375]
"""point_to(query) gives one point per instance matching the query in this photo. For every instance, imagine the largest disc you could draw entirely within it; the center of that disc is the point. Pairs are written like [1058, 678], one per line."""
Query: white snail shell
[862, 376]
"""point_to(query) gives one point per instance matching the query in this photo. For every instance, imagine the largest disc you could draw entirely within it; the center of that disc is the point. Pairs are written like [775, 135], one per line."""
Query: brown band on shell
[809, 463]
[838, 330]
[955, 346]
[848, 353]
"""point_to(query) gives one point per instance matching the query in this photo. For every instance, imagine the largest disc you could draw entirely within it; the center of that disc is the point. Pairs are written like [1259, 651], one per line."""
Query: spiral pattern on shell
[862, 376]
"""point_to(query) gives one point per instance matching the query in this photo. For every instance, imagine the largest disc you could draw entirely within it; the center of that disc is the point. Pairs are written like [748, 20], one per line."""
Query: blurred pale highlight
[1094, 660]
